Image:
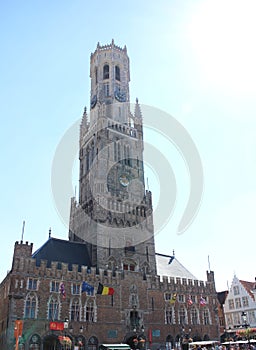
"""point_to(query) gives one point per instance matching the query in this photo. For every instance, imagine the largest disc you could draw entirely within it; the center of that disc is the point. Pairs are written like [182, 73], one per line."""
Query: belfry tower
[114, 213]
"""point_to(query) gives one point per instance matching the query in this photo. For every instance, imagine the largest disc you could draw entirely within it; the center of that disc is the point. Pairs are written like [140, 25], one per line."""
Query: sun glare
[222, 35]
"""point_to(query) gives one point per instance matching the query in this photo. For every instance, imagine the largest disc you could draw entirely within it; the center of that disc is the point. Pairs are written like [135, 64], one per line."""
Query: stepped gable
[63, 251]
[168, 265]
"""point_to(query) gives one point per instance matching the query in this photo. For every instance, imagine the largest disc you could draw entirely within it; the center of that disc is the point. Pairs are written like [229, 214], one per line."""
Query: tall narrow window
[206, 317]
[96, 75]
[117, 73]
[75, 310]
[53, 309]
[169, 315]
[106, 90]
[30, 306]
[194, 316]
[182, 315]
[89, 311]
[106, 71]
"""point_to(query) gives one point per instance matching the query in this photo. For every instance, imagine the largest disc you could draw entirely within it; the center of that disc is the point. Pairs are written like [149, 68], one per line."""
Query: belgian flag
[103, 290]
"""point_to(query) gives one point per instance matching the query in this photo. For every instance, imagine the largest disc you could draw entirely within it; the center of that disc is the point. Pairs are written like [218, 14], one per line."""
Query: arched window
[30, 306]
[194, 316]
[117, 73]
[89, 312]
[93, 343]
[106, 71]
[169, 315]
[53, 309]
[75, 310]
[182, 315]
[35, 342]
[206, 317]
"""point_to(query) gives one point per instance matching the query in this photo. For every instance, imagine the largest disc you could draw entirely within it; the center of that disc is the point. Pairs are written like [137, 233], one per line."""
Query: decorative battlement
[60, 270]
[108, 47]
[22, 249]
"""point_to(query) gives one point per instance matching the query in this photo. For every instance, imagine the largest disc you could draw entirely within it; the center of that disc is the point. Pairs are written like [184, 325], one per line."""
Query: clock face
[124, 180]
[93, 101]
[120, 96]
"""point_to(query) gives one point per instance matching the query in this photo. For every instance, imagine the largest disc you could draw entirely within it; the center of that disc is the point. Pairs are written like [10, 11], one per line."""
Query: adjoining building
[106, 284]
[240, 308]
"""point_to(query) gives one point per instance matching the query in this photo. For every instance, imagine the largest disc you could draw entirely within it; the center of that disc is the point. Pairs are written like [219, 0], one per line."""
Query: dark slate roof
[63, 251]
[222, 296]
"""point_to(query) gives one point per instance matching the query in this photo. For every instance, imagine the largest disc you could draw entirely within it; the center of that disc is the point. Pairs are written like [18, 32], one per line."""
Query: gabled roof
[63, 251]
[168, 265]
[249, 287]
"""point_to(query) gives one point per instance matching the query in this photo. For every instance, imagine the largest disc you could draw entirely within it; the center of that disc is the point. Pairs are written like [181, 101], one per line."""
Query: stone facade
[140, 306]
[113, 220]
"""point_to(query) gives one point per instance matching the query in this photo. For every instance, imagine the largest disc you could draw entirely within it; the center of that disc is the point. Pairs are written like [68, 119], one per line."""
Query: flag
[103, 290]
[62, 290]
[86, 287]
[190, 301]
[202, 301]
[173, 299]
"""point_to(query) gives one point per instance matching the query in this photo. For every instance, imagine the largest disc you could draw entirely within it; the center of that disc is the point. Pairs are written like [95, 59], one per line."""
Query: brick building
[106, 284]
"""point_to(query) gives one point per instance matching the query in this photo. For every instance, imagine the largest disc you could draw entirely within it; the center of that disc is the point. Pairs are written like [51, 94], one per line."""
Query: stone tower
[114, 213]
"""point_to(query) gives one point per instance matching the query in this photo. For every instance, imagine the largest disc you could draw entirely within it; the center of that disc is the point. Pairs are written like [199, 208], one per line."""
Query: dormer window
[106, 71]
[117, 73]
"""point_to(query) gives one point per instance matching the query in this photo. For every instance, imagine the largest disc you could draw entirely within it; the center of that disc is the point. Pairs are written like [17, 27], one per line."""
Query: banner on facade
[57, 326]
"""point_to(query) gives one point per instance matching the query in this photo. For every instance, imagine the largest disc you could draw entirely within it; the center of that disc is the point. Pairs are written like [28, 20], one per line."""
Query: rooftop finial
[173, 252]
[50, 232]
[23, 228]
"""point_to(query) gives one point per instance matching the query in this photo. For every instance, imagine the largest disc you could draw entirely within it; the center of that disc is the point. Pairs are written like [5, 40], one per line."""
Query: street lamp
[244, 317]
[185, 338]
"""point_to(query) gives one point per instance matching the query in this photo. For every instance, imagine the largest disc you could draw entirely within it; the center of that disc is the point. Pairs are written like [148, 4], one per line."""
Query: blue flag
[86, 287]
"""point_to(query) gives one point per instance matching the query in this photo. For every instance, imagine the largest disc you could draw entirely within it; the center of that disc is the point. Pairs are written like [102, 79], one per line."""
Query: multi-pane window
[106, 71]
[75, 310]
[168, 296]
[206, 318]
[231, 304]
[129, 267]
[53, 309]
[194, 316]
[236, 317]
[106, 90]
[30, 306]
[181, 298]
[252, 318]
[55, 286]
[182, 315]
[32, 284]
[229, 320]
[169, 316]
[193, 298]
[238, 303]
[236, 290]
[75, 289]
[245, 301]
[89, 311]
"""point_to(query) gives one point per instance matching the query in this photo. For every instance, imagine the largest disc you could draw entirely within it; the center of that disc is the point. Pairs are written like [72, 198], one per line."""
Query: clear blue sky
[193, 59]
